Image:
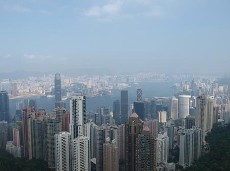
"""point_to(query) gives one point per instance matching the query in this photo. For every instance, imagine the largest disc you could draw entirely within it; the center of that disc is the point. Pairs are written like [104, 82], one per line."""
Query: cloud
[36, 58]
[104, 10]
[147, 8]
[17, 8]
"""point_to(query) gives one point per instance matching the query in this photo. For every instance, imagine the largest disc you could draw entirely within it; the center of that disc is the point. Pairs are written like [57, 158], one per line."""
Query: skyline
[117, 36]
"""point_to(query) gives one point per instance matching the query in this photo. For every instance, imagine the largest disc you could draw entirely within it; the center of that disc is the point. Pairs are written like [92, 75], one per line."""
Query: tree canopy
[218, 157]
[10, 163]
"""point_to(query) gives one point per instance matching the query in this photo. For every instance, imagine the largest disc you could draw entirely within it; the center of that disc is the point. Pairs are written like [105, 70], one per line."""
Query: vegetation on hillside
[218, 157]
[10, 163]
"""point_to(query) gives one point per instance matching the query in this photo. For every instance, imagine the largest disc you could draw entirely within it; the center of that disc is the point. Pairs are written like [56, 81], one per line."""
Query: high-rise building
[13, 147]
[121, 142]
[77, 115]
[162, 115]
[90, 132]
[174, 108]
[189, 122]
[153, 126]
[4, 106]
[162, 149]
[148, 114]
[63, 117]
[139, 95]
[27, 117]
[53, 127]
[139, 109]
[80, 154]
[146, 151]
[204, 115]
[171, 134]
[124, 106]
[110, 156]
[30, 103]
[3, 133]
[117, 111]
[57, 89]
[102, 133]
[183, 103]
[62, 151]
[190, 146]
[100, 140]
[132, 129]
[39, 138]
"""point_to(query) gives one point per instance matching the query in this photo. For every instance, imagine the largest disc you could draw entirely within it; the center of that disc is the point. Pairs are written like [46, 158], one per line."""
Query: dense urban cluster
[157, 134]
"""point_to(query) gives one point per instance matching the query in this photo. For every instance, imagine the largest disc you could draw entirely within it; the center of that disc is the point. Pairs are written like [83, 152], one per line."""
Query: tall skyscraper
[162, 115]
[4, 106]
[139, 95]
[153, 126]
[53, 127]
[27, 116]
[57, 90]
[162, 148]
[121, 142]
[183, 108]
[80, 154]
[204, 114]
[62, 151]
[146, 151]
[139, 108]
[132, 129]
[174, 108]
[102, 133]
[30, 103]
[77, 115]
[39, 137]
[189, 122]
[110, 156]
[90, 132]
[117, 111]
[190, 146]
[124, 106]
[3, 134]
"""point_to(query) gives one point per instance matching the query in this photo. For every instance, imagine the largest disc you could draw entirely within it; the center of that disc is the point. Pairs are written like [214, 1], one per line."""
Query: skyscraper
[102, 133]
[174, 108]
[62, 151]
[139, 108]
[139, 95]
[190, 146]
[4, 106]
[110, 156]
[39, 137]
[53, 127]
[153, 126]
[27, 116]
[132, 129]
[183, 108]
[77, 115]
[80, 154]
[57, 89]
[3, 134]
[162, 148]
[124, 106]
[117, 111]
[30, 103]
[146, 151]
[121, 142]
[204, 114]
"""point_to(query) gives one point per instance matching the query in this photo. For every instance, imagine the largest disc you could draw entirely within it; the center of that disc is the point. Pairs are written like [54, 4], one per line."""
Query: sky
[170, 36]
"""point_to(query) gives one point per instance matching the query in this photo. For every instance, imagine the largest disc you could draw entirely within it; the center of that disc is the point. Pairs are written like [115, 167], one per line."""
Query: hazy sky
[118, 35]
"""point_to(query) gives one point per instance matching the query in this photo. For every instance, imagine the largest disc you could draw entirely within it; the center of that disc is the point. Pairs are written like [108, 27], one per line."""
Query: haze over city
[114, 85]
[183, 36]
